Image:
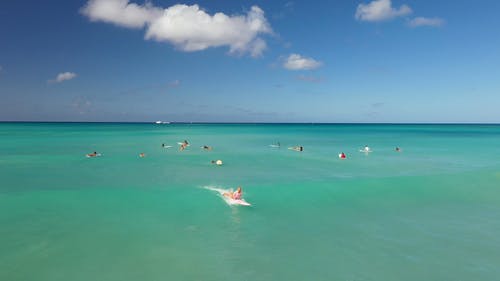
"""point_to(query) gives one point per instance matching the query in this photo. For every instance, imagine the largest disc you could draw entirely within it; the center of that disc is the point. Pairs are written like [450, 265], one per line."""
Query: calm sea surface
[429, 212]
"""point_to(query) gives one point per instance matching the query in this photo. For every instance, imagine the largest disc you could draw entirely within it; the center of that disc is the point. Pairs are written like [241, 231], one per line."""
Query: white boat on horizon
[162, 122]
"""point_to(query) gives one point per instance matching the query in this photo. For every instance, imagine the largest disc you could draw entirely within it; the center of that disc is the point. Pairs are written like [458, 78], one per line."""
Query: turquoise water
[430, 212]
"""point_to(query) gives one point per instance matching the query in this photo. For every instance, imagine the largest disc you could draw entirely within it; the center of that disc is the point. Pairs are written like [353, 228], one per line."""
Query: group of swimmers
[218, 162]
[237, 195]
[185, 144]
[182, 146]
[342, 155]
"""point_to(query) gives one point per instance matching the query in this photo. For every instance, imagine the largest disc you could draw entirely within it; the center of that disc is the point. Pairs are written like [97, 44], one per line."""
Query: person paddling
[236, 195]
[184, 145]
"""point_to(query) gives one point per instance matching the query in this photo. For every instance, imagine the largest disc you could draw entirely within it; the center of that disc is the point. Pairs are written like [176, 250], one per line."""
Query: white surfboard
[241, 202]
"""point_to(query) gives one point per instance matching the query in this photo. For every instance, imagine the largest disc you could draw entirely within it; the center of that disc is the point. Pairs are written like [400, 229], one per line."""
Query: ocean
[428, 212]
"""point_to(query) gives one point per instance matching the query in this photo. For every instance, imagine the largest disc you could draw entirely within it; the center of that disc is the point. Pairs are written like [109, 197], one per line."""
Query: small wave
[220, 190]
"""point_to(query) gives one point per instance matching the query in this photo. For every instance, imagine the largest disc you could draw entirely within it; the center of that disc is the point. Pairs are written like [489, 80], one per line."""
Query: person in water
[93, 154]
[216, 162]
[142, 154]
[398, 149]
[236, 195]
[342, 155]
[183, 145]
[206, 147]
[297, 148]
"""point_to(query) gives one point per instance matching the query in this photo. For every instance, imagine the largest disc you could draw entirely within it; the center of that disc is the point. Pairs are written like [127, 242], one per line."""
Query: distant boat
[162, 122]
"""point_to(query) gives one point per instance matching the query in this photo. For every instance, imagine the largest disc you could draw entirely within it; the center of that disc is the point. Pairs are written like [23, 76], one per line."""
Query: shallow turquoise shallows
[428, 212]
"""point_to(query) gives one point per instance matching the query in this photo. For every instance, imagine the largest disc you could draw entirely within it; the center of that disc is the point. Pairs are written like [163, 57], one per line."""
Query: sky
[381, 61]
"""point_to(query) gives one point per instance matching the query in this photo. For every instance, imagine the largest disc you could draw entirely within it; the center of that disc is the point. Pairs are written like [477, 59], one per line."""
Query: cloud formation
[63, 77]
[297, 62]
[120, 12]
[380, 10]
[421, 21]
[188, 28]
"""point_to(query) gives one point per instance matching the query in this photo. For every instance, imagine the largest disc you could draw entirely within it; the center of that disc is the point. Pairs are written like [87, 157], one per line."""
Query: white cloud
[189, 28]
[380, 10]
[63, 77]
[120, 12]
[192, 29]
[297, 62]
[421, 21]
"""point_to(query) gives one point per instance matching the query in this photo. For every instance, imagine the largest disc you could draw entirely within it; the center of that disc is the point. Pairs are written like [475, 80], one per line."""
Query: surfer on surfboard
[236, 195]
[183, 145]
[93, 154]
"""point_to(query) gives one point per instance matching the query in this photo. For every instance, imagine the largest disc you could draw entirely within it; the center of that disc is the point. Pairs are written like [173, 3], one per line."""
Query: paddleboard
[181, 143]
[167, 146]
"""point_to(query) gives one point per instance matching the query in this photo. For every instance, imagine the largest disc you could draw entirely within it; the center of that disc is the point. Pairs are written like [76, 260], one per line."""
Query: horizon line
[263, 123]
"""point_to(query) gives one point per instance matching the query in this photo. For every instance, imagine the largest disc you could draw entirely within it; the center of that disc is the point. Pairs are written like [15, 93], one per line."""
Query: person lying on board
[236, 195]
[93, 154]
[297, 148]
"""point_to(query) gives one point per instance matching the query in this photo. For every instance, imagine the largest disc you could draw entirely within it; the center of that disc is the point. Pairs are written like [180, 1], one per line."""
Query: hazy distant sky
[250, 61]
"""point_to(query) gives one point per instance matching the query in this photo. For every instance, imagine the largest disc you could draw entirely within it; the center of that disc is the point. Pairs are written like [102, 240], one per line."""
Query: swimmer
[206, 147]
[142, 154]
[366, 149]
[216, 162]
[297, 148]
[342, 155]
[183, 145]
[398, 149]
[236, 195]
[93, 154]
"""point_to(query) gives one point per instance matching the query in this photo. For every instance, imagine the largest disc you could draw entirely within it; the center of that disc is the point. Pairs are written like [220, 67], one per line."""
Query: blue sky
[250, 61]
